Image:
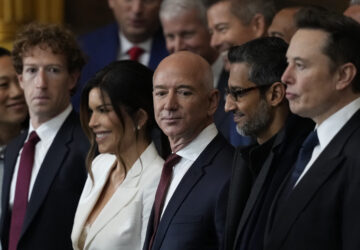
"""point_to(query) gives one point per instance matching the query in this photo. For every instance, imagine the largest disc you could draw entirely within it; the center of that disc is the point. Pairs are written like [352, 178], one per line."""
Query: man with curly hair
[44, 166]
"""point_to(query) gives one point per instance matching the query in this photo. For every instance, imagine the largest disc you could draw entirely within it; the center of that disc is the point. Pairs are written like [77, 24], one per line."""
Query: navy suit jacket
[101, 48]
[195, 215]
[322, 212]
[57, 189]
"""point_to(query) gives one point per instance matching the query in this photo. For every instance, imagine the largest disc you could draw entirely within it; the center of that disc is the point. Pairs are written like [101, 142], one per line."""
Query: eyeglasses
[238, 93]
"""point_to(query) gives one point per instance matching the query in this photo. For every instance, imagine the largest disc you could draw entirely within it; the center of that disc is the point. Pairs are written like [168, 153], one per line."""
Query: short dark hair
[128, 84]
[4, 52]
[57, 38]
[266, 57]
[342, 45]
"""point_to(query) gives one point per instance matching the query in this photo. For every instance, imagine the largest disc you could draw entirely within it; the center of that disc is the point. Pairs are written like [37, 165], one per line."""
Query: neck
[8, 132]
[276, 124]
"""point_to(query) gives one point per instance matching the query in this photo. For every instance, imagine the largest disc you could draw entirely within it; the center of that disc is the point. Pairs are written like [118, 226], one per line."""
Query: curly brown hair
[59, 39]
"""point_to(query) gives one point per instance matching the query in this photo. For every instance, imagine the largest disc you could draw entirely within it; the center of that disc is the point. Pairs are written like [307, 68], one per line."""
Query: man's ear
[258, 25]
[74, 79]
[346, 74]
[276, 94]
[20, 79]
[214, 98]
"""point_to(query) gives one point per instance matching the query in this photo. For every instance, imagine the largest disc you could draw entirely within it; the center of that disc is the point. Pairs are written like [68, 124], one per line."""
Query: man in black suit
[256, 96]
[318, 206]
[194, 205]
[39, 196]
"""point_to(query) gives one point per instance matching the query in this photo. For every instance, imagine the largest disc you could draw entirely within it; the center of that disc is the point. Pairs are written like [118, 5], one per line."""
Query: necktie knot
[135, 53]
[172, 160]
[310, 142]
[33, 138]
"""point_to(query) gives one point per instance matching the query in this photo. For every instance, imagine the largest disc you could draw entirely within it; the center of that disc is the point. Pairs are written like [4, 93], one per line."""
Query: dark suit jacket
[252, 170]
[195, 215]
[57, 189]
[322, 212]
[101, 48]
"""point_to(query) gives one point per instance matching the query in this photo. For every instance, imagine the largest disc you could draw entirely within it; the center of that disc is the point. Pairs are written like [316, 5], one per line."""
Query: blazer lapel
[328, 161]
[49, 169]
[121, 198]
[187, 183]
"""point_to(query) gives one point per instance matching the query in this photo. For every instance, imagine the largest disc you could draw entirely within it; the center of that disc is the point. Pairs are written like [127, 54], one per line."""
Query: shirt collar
[332, 125]
[194, 148]
[217, 67]
[126, 44]
[46, 130]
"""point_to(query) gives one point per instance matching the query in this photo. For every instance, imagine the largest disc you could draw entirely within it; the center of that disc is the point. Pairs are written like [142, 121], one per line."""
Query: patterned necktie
[135, 53]
[22, 189]
[303, 158]
[161, 191]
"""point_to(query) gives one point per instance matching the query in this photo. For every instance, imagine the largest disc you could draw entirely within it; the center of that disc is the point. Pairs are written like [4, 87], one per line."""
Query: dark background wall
[85, 15]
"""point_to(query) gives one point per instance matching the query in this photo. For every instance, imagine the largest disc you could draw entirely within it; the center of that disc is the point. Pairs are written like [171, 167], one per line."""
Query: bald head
[184, 98]
[354, 12]
[283, 24]
[190, 65]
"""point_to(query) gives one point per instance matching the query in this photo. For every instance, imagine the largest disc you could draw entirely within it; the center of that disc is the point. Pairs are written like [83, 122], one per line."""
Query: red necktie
[22, 189]
[135, 53]
[162, 189]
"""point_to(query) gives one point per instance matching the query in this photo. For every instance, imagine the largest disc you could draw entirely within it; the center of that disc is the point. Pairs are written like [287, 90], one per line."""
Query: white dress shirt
[125, 45]
[46, 132]
[327, 130]
[189, 154]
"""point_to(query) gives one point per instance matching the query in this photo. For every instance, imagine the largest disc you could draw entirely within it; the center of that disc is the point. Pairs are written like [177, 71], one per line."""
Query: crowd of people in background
[185, 124]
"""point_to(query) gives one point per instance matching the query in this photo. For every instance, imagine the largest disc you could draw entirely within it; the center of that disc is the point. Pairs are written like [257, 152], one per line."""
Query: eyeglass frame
[241, 92]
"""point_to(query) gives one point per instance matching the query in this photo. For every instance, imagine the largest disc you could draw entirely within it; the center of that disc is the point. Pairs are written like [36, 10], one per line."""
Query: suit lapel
[328, 161]
[49, 169]
[12, 152]
[185, 186]
[121, 198]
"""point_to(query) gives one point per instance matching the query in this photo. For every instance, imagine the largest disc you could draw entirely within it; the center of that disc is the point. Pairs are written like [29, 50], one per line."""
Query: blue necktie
[303, 158]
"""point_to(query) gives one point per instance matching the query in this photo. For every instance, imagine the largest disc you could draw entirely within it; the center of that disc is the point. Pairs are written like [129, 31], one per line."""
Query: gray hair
[173, 8]
[245, 10]
[354, 2]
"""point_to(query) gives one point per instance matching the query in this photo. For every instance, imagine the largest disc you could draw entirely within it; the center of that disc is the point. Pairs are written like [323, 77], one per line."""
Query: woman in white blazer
[116, 112]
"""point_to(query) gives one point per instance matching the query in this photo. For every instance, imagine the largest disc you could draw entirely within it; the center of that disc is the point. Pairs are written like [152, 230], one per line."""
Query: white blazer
[122, 223]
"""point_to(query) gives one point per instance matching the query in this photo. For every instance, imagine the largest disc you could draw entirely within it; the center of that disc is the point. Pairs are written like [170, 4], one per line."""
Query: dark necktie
[135, 53]
[303, 158]
[162, 189]
[22, 189]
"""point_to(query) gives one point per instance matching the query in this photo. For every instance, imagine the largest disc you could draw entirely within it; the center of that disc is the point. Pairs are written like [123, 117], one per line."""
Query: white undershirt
[327, 130]
[125, 45]
[46, 132]
[189, 154]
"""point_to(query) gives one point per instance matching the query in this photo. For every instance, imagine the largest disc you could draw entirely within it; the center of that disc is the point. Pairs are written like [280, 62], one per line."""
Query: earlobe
[74, 79]
[347, 73]
[258, 25]
[141, 118]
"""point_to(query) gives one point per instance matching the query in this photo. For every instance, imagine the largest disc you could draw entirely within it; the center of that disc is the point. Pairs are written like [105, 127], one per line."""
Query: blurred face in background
[13, 109]
[137, 19]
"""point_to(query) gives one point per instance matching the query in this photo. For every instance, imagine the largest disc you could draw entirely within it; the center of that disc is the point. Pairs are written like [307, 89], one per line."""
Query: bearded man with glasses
[256, 96]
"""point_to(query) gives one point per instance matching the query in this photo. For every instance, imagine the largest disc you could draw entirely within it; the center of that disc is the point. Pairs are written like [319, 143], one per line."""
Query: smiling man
[318, 206]
[195, 201]
[256, 96]
[45, 165]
